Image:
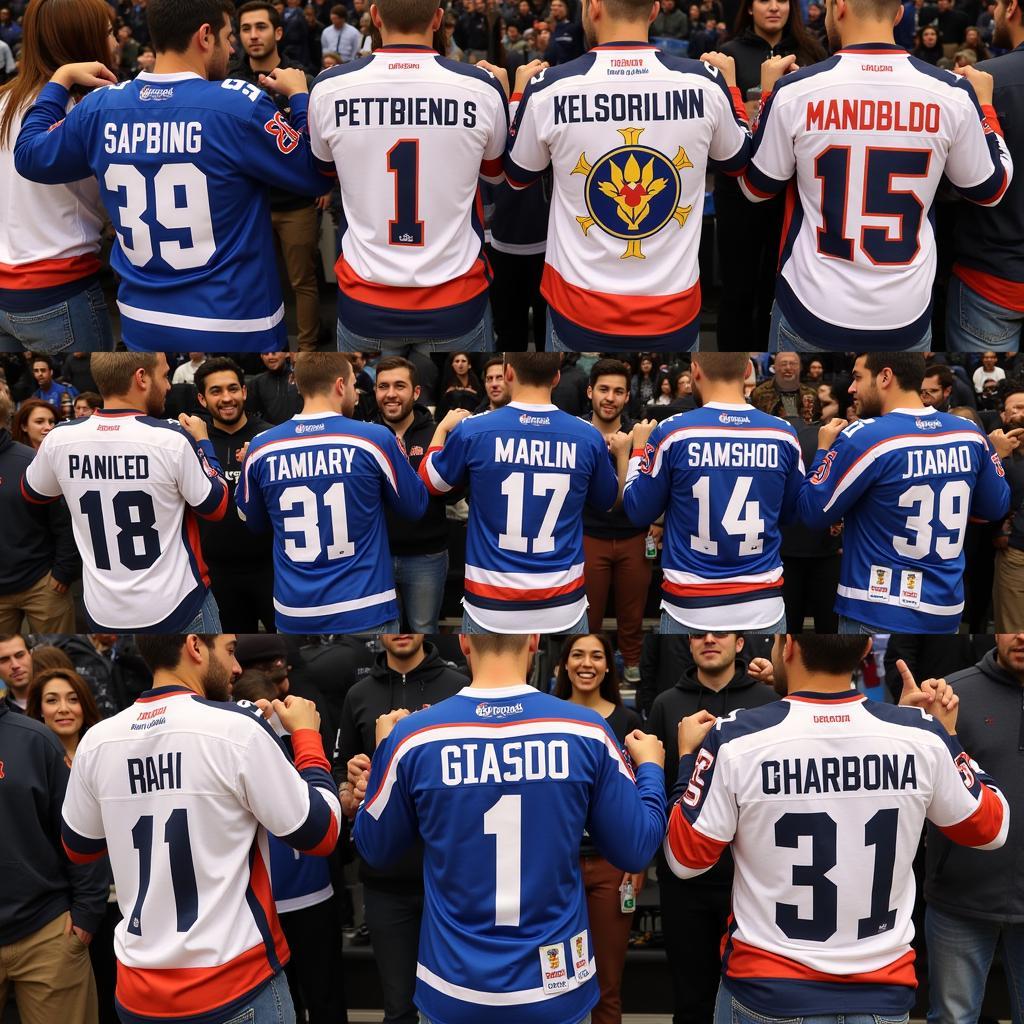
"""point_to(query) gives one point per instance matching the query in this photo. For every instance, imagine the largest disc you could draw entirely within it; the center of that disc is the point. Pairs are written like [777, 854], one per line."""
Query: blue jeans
[975, 324]
[79, 324]
[854, 627]
[960, 953]
[472, 628]
[478, 339]
[670, 627]
[420, 580]
[272, 1005]
[729, 1011]
[782, 337]
[208, 618]
[426, 1020]
[394, 626]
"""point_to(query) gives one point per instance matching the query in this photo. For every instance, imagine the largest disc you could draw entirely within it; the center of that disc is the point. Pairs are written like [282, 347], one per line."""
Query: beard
[217, 682]
[868, 405]
[780, 682]
[154, 403]
[1001, 36]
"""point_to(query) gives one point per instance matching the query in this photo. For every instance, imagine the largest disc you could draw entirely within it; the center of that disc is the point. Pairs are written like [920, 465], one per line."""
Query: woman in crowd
[684, 384]
[644, 387]
[460, 386]
[973, 41]
[585, 674]
[33, 421]
[830, 402]
[748, 233]
[50, 296]
[928, 48]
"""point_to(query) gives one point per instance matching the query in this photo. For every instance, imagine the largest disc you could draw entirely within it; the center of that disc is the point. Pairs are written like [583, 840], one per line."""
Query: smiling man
[15, 667]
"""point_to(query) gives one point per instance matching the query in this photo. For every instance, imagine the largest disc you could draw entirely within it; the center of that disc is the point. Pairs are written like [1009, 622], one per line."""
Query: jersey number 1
[183, 873]
[404, 164]
[504, 821]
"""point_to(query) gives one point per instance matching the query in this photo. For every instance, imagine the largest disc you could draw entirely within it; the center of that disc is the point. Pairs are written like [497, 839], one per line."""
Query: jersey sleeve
[406, 495]
[966, 805]
[731, 143]
[297, 803]
[82, 829]
[40, 485]
[51, 147]
[200, 480]
[492, 165]
[604, 482]
[444, 468]
[773, 156]
[835, 482]
[528, 153]
[249, 500]
[626, 818]
[794, 484]
[991, 498]
[646, 493]
[703, 820]
[979, 165]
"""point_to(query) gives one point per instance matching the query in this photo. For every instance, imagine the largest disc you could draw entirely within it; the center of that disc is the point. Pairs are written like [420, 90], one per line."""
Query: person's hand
[195, 425]
[657, 533]
[638, 881]
[619, 444]
[499, 73]
[386, 723]
[762, 670]
[285, 81]
[57, 587]
[241, 453]
[1006, 442]
[692, 731]
[357, 769]
[828, 432]
[935, 696]
[81, 934]
[349, 802]
[296, 713]
[773, 69]
[642, 431]
[645, 748]
[324, 202]
[452, 418]
[89, 74]
[526, 71]
[724, 63]
[981, 81]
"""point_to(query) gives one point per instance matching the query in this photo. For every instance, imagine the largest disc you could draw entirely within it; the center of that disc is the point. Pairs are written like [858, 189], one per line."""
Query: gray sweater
[990, 726]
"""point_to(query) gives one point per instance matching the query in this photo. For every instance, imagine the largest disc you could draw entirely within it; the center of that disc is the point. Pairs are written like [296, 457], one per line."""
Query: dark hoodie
[688, 697]
[384, 690]
[987, 884]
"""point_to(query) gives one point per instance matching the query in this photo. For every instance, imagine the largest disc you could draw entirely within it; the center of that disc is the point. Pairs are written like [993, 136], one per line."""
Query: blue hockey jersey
[905, 485]
[726, 476]
[183, 166]
[321, 481]
[500, 784]
[530, 469]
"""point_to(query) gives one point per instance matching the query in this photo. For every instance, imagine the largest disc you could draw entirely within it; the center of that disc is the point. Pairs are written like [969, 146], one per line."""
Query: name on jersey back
[853, 115]
[665, 105]
[404, 111]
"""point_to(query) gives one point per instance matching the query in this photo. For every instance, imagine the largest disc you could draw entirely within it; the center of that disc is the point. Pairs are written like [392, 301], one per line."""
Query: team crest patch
[820, 475]
[287, 137]
[632, 192]
[647, 458]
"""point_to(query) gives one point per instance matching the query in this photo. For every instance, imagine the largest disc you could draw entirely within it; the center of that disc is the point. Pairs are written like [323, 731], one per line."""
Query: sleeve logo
[820, 475]
[647, 458]
[287, 137]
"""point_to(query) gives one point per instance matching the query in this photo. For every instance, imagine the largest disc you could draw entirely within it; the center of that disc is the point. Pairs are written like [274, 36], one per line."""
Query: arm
[67, 563]
[646, 494]
[200, 481]
[444, 466]
[603, 490]
[794, 484]
[991, 498]
[249, 501]
[406, 494]
[491, 166]
[836, 480]
[979, 165]
[527, 155]
[730, 143]
[40, 485]
[773, 157]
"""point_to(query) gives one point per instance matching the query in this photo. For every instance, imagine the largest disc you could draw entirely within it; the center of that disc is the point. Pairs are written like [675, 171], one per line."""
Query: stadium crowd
[974, 903]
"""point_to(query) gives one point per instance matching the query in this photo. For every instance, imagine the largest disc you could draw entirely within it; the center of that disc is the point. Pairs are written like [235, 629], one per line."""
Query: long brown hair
[19, 431]
[34, 702]
[609, 685]
[54, 32]
[808, 49]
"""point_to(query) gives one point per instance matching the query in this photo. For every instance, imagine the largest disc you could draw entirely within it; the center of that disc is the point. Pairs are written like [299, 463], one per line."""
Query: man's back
[530, 469]
[183, 166]
[320, 481]
[501, 784]
[175, 789]
[905, 485]
[725, 476]
[822, 798]
[629, 133]
[410, 134]
[133, 485]
[869, 133]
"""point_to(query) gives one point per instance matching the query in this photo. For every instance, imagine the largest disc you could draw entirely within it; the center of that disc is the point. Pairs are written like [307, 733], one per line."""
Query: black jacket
[990, 726]
[38, 883]
[273, 395]
[688, 697]
[614, 524]
[750, 51]
[432, 681]
[116, 679]
[34, 539]
[428, 535]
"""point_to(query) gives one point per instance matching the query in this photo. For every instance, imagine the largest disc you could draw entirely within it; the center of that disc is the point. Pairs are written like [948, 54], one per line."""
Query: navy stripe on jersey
[228, 1012]
[579, 339]
[178, 620]
[318, 822]
[80, 849]
[717, 600]
[259, 915]
[368, 320]
[810, 998]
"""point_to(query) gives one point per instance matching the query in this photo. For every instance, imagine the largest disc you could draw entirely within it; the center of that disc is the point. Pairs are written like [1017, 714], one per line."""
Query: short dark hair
[407, 15]
[341, 11]
[163, 650]
[253, 684]
[90, 398]
[534, 369]
[493, 361]
[907, 367]
[173, 23]
[833, 653]
[609, 368]
[397, 363]
[42, 357]
[498, 643]
[1011, 387]
[221, 364]
[261, 5]
[723, 366]
[316, 372]
[942, 371]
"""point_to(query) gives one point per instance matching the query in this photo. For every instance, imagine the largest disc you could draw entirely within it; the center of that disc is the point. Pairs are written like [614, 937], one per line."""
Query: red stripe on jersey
[308, 750]
[492, 168]
[195, 546]
[522, 593]
[982, 826]
[992, 119]
[746, 961]
[854, 698]
[999, 195]
[737, 103]
[259, 882]
[222, 507]
[82, 858]
[723, 589]
[438, 296]
[425, 476]
[1009, 294]
[620, 314]
[757, 192]
[40, 500]
[47, 273]
[787, 219]
[691, 848]
[326, 845]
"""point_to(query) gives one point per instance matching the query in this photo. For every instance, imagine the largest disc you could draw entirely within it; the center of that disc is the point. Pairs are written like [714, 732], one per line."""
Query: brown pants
[1008, 592]
[623, 562]
[46, 610]
[296, 231]
[52, 977]
[609, 934]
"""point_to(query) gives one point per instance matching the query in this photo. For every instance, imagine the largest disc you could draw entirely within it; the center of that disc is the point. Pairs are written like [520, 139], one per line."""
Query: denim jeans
[782, 337]
[960, 953]
[272, 1005]
[78, 324]
[472, 628]
[853, 627]
[208, 618]
[479, 339]
[426, 1020]
[730, 1011]
[420, 580]
[670, 627]
[394, 626]
[975, 324]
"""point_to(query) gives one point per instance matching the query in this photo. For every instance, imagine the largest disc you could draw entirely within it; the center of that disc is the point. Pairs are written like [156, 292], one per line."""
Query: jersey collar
[809, 697]
[406, 48]
[527, 407]
[625, 45]
[482, 693]
[177, 76]
[732, 406]
[889, 48]
[161, 692]
[926, 410]
[107, 413]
